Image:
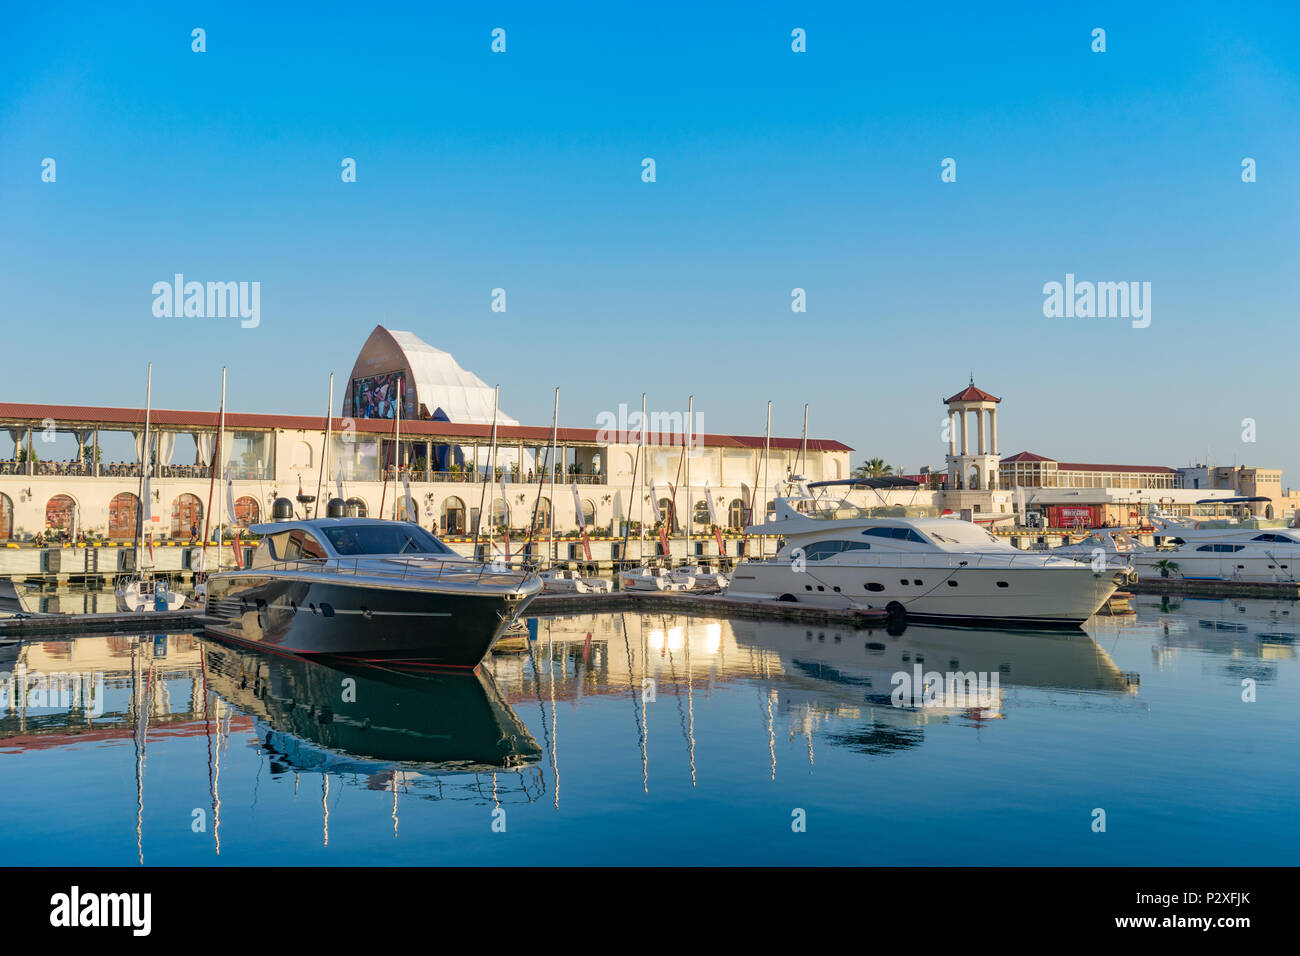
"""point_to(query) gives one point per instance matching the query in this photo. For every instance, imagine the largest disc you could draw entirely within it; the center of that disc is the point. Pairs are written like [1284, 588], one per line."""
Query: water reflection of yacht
[867, 660]
[320, 717]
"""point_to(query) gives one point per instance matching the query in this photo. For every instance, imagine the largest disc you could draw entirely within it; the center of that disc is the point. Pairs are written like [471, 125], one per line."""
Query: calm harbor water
[653, 739]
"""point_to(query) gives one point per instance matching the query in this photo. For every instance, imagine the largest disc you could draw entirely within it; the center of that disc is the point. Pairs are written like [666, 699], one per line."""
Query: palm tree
[873, 468]
[1167, 567]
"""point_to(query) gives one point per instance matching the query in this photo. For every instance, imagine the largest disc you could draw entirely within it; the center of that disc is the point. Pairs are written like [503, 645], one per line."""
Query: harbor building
[76, 468]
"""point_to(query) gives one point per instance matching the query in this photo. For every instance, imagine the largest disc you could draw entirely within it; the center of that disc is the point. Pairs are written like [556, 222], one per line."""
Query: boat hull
[1061, 597]
[357, 621]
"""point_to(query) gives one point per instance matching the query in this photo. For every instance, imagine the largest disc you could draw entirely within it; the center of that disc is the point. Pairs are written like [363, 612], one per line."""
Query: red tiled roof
[972, 394]
[1076, 466]
[533, 434]
[1029, 456]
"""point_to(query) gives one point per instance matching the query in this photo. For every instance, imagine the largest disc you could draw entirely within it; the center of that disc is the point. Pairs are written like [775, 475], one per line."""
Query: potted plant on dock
[1167, 568]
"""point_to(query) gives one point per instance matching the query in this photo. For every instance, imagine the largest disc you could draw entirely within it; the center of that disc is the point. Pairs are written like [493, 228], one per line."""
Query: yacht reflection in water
[841, 684]
[344, 719]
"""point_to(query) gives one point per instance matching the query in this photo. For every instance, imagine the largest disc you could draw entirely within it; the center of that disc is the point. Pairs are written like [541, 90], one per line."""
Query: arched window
[974, 480]
[543, 515]
[453, 516]
[668, 514]
[59, 512]
[247, 511]
[301, 455]
[6, 517]
[123, 516]
[187, 517]
[407, 509]
[737, 514]
[701, 513]
[500, 513]
[588, 513]
[356, 508]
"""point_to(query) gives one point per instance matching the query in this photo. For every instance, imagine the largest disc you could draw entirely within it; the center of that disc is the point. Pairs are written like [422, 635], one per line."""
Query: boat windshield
[399, 537]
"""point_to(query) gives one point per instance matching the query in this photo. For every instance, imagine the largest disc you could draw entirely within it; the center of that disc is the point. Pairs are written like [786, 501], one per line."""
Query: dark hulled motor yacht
[365, 589]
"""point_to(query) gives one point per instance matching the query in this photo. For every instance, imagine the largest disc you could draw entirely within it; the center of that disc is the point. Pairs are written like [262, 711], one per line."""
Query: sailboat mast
[686, 437]
[397, 448]
[144, 457]
[220, 453]
[555, 428]
[803, 447]
[767, 455]
[641, 491]
[490, 475]
[324, 455]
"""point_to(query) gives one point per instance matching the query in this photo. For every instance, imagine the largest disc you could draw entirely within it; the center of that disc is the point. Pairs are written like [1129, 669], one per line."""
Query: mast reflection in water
[664, 739]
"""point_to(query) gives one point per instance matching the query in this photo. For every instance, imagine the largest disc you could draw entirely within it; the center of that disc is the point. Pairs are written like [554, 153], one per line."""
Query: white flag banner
[654, 503]
[230, 498]
[505, 504]
[406, 490]
[146, 509]
[338, 484]
[577, 508]
[708, 502]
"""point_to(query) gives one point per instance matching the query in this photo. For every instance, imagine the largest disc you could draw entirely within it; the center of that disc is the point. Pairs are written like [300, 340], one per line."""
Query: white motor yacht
[924, 569]
[1222, 551]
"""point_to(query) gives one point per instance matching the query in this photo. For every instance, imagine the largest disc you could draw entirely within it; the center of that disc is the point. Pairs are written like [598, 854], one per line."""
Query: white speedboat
[560, 581]
[700, 577]
[144, 592]
[653, 579]
[1112, 549]
[925, 569]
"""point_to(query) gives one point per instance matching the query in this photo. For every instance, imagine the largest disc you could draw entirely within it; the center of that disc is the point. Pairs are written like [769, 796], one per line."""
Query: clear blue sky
[775, 170]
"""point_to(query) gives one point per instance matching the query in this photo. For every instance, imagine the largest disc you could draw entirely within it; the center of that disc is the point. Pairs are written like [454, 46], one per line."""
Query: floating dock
[548, 605]
[125, 622]
[1274, 590]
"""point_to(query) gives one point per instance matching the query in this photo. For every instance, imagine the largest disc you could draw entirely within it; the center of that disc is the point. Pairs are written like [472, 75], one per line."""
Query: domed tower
[977, 471]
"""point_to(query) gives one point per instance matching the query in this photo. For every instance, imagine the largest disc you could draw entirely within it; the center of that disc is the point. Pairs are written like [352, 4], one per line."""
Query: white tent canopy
[433, 376]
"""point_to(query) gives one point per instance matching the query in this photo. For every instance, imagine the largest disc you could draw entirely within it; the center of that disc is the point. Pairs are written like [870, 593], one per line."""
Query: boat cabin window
[391, 537]
[897, 534]
[295, 546]
[1284, 539]
[826, 549]
[1221, 548]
